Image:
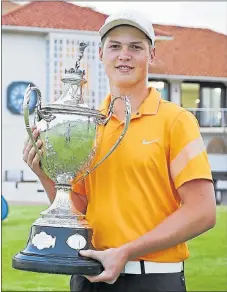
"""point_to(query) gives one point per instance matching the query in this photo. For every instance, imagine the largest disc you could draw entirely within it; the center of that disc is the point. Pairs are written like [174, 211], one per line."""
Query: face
[126, 55]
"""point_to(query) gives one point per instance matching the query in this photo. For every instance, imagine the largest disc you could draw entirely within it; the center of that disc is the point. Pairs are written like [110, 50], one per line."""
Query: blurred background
[40, 40]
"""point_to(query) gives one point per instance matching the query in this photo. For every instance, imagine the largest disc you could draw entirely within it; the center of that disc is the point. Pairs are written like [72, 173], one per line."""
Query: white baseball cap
[131, 18]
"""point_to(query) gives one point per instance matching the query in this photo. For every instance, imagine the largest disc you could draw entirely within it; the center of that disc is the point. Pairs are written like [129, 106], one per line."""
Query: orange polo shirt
[135, 189]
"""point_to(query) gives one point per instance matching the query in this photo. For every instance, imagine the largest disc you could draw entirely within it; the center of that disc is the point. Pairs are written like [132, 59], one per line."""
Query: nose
[124, 55]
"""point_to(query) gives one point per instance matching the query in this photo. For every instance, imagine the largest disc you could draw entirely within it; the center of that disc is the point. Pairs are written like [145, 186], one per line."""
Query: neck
[135, 94]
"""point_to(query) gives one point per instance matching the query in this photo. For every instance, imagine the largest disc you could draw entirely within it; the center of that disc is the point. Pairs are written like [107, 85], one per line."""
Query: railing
[209, 117]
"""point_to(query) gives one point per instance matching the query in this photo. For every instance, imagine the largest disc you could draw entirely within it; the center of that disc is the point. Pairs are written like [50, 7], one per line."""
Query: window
[190, 95]
[211, 104]
[205, 101]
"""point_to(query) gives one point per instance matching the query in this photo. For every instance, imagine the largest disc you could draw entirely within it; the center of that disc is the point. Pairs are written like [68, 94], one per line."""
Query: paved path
[26, 193]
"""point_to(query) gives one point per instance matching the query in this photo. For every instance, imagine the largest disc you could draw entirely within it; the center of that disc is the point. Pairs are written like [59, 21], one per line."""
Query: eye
[135, 47]
[114, 46]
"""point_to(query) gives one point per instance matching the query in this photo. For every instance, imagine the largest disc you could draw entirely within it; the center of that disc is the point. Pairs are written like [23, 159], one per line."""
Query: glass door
[211, 102]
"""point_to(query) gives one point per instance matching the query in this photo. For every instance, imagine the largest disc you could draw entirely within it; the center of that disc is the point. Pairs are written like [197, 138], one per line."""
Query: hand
[113, 261]
[29, 154]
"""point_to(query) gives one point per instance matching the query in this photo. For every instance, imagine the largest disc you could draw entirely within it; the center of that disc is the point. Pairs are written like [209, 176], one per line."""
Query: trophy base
[56, 265]
[55, 250]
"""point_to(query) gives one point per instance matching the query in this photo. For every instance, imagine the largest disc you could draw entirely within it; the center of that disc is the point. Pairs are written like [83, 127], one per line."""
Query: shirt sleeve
[188, 156]
[79, 187]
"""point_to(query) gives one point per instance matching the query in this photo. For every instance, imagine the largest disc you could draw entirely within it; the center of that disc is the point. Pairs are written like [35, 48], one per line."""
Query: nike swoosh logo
[145, 142]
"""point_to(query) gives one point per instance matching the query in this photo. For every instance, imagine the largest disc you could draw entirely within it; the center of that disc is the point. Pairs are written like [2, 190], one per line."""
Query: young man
[155, 191]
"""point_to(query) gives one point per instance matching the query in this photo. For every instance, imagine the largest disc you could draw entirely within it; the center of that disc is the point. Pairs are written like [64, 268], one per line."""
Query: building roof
[59, 15]
[8, 6]
[55, 14]
[190, 52]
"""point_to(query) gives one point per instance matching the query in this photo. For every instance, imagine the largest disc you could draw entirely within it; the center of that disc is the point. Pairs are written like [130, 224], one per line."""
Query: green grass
[15, 231]
[206, 269]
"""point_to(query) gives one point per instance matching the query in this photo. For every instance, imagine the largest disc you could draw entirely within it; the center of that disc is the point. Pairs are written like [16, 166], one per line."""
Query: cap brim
[107, 27]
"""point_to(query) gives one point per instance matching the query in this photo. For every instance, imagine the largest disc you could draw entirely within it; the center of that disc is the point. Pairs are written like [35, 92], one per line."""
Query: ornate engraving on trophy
[43, 240]
[50, 157]
[76, 241]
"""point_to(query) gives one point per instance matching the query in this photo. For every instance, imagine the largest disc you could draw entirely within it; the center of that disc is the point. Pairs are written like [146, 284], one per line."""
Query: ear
[152, 56]
[100, 53]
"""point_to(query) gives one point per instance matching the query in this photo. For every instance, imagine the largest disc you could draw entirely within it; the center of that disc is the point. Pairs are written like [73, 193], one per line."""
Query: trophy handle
[26, 113]
[39, 113]
[104, 122]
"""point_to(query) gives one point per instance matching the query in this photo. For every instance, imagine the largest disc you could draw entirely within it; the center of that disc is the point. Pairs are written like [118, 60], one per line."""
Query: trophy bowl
[69, 131]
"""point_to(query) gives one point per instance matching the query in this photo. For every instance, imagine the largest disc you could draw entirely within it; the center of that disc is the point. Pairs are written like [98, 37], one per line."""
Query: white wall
[23, 59]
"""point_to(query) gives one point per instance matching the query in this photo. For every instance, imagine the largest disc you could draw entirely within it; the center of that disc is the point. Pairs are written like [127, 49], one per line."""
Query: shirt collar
[105, 105]
[149, 106]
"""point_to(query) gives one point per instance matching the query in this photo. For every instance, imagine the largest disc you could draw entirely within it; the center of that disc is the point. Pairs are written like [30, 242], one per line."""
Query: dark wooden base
[59, 258]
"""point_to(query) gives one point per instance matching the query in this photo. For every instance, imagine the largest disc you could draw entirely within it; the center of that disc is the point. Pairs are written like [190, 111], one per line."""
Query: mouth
[124, 68]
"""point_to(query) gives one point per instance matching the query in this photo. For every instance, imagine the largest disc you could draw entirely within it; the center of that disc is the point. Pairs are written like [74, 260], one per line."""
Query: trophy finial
[77, 70]
[82, 47]
[74, 80]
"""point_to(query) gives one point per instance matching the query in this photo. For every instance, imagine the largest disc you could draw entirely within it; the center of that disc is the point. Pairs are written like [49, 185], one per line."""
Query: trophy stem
[61, 213]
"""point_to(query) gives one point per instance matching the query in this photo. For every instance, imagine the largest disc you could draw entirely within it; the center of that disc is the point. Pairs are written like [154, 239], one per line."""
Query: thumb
[89, 253]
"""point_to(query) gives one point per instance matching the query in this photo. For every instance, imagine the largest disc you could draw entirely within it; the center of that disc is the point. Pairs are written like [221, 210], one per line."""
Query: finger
[94, 254]
[28, 149]
[26, 152]
[35, 133]
[32, 153]
[39, 143]
[26, 143]
[36, 160]
[33, 127]
[31, 156]
[103, 277]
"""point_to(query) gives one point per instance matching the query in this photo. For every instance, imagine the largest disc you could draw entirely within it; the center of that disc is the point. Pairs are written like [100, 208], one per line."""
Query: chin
[125, 82]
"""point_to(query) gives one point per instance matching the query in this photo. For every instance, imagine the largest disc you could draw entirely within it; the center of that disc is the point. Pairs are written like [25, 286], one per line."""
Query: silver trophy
[69, 130]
